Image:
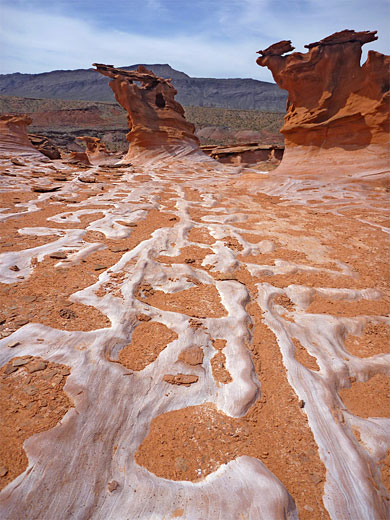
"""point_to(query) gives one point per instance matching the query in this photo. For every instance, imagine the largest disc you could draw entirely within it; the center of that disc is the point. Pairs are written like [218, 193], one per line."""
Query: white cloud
[37, 41]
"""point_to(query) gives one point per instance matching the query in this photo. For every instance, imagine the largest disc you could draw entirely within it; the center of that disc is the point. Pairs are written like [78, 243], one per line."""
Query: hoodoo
[13, 136]
[158, 128]
[337, 109]
[95, 150]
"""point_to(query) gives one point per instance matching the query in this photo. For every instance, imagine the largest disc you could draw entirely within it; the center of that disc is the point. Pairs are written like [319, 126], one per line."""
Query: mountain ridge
[86, 85]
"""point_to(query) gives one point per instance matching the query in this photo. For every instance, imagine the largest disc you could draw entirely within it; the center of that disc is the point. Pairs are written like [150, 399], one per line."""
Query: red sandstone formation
[79, 157]
[245, 154]
[13, 136]
[45, 146]
[158, 128]
[95, 150]
[337, 110]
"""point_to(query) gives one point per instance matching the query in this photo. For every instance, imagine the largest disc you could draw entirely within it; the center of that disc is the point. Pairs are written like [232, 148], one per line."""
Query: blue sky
[203, 38]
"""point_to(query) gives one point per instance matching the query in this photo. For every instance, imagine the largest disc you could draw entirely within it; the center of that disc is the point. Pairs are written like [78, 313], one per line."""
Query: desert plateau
[195, 329]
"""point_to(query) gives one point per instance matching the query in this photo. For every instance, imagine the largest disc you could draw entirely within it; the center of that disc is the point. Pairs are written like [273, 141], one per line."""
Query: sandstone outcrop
[13, 136]
[245, 154]
[95, 150]
[79, 157]
[158, 128]
[337, 109]
[45, 146]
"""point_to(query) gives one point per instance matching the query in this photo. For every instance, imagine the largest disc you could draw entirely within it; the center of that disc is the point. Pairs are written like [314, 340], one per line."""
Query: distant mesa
[337, 110]
[83, 84]
[158, 128]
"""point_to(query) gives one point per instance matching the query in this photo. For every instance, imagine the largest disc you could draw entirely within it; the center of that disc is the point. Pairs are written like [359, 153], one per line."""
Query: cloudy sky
[204, 38]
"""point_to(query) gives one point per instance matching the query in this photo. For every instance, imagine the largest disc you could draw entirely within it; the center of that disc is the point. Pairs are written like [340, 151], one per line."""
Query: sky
[203, 38]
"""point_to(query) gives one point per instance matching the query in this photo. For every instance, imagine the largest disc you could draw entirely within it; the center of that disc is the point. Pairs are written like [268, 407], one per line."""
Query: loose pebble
[13, 344]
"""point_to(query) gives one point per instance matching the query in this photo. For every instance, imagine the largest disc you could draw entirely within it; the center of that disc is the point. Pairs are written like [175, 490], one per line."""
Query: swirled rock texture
[337, 109]
[158, 128]
[13, 136]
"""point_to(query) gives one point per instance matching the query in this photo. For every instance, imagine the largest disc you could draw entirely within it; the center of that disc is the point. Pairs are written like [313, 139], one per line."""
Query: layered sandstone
[13, 136]
[337, 109]
[158, 128]
[45, 146]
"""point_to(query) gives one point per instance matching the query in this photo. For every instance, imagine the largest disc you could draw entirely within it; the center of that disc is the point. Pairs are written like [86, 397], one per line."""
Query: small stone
[60, 178]
[128, 224]
[67, 314]
[20, 362]
[99, 267]
[315, 478]
[20, 323]
[87, 179]
[36, 366]
[13, 344]
[3, 471]
[143, 317]
[192, 356]
[181, 464]
[9, 369]
[301, 403]
[45, 189]
[14, 268]
[173, 219]
[57, 380]
[119, 249]
[30, 390]
[48, 374]
[29, 299]
[59, 255]
[17, 162]
[112, 486]
[181, 379]
[189, 261]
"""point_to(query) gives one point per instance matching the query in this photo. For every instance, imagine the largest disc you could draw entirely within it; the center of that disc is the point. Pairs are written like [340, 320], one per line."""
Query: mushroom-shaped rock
[337, 117]
[96, 150]
[158, 128]
[14, 138]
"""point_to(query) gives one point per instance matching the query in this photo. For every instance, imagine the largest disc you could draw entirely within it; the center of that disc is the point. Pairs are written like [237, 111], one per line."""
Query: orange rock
[45, 146]
[180, 379]
[337, 111]
[81, 157]
[158, 128]
[13, 135]
[95, 150]
[192, 356]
